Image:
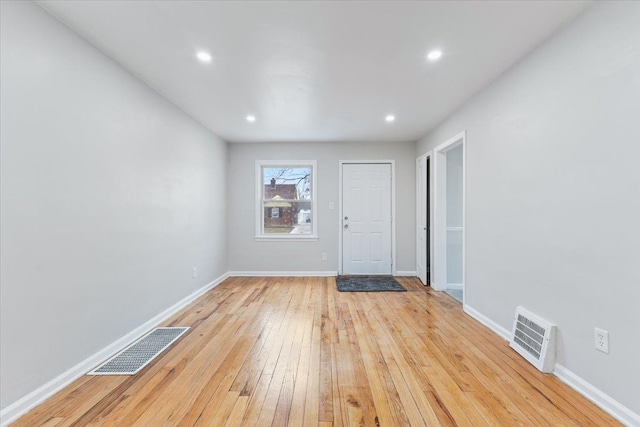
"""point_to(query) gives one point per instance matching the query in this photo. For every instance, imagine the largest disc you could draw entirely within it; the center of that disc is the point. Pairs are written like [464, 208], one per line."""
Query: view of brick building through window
[277, 212]
[286, 200]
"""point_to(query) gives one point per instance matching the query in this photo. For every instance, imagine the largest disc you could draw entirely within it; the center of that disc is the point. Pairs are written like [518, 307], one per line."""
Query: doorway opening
[367, 229]
[423, 219]
[449, 217]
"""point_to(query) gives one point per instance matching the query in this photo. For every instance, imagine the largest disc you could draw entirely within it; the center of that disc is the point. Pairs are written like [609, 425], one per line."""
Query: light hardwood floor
[294, 351]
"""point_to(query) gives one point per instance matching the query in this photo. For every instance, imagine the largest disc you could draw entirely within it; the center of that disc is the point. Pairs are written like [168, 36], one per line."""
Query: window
[286, 200]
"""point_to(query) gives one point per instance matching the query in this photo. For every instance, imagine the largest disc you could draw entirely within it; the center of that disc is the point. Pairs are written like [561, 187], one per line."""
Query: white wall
[553, 193]
[110, 195]
[246, 254]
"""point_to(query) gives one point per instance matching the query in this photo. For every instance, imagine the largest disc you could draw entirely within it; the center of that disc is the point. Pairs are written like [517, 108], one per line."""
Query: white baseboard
[456, 286]
[504, 333]
[406, 273]
[614, 408]
[283, 273]
[301, 273]
[42, 393]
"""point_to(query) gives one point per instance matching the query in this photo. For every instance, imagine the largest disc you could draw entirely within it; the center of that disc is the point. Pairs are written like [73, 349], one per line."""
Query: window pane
[287, 199]
[291, 217]
[289, 183]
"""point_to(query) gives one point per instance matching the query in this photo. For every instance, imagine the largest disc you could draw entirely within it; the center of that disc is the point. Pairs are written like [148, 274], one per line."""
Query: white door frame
[439, 267]
[393, 209]
[422, 197]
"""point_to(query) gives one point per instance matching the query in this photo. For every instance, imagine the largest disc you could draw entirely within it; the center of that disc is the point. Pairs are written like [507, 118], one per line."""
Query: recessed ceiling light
[251, 118]
[434, 55]
[204, 56]
[390, 118]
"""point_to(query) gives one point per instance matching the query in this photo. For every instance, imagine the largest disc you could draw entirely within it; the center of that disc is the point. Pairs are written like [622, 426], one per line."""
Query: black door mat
[368, 284]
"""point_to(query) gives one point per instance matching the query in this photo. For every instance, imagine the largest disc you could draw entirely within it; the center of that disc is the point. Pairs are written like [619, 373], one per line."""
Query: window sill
[287, 238]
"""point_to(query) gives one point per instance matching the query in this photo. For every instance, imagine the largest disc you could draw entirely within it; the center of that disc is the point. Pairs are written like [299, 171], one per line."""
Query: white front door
[366, 218]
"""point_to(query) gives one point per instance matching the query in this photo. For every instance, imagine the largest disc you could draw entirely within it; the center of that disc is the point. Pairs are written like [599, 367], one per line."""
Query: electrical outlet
[331, 205]
[194, 272]
[324, 256]
[602, 340]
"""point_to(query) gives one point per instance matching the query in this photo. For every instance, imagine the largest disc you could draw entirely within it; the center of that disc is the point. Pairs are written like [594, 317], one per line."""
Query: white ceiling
[316, 71]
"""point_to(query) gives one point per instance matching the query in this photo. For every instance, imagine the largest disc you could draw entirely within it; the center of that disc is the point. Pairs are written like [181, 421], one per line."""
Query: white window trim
[259, 211]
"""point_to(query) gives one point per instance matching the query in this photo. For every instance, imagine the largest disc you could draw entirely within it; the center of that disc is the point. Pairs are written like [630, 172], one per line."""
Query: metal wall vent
[534, 339]
[138, 355]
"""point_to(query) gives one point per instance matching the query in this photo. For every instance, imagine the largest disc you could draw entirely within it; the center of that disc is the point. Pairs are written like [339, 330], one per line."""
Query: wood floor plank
[296, 414]
[237, 414]
[221, 414]
[363, 396]
[312, 401]
[275, 351]
[265, 373]
[404, 360]
[396, 410]
[192, 378]
[326, 376]
[370, 362]
[279, 374]
[53, 422]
